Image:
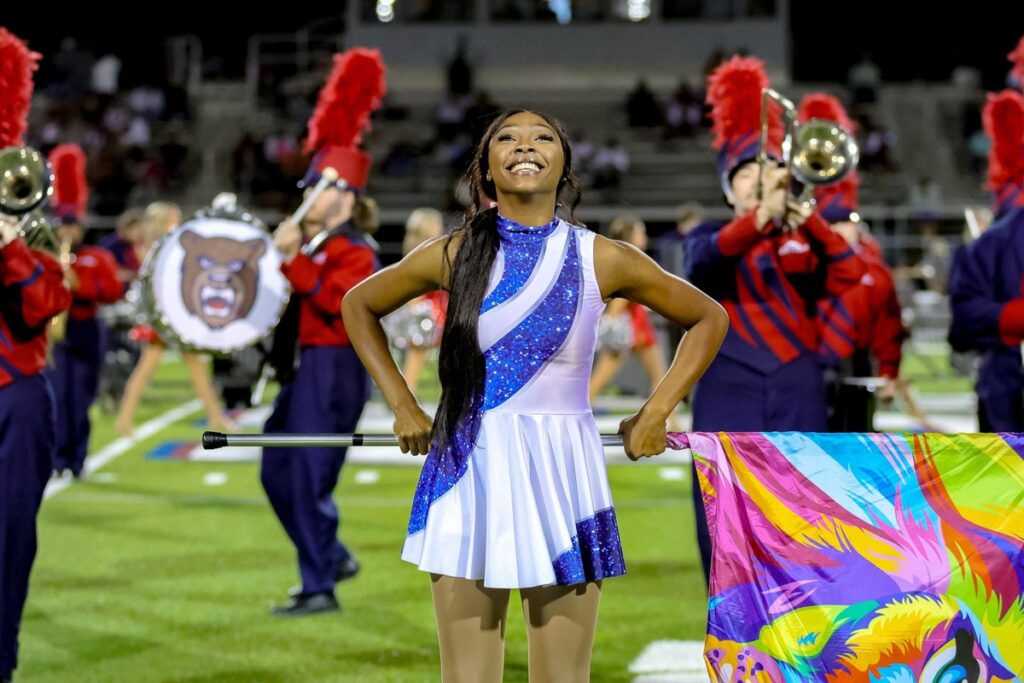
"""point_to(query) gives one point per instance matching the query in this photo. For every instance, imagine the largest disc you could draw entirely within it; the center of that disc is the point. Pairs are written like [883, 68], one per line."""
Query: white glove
[8, 230]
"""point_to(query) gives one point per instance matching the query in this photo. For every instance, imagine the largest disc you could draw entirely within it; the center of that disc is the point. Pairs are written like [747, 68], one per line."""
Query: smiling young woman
[514, 492]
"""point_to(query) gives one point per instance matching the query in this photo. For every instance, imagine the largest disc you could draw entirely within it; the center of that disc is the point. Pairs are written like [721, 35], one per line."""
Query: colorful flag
[864, 557]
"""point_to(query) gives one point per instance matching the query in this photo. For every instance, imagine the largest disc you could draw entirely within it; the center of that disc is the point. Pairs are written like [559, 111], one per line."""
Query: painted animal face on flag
[852, 557]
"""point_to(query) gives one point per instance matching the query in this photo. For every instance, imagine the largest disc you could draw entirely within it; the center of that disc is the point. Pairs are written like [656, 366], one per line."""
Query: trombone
[816, 153]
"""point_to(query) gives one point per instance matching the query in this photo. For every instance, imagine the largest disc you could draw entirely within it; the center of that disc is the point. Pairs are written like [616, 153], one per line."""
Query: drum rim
[158, 318]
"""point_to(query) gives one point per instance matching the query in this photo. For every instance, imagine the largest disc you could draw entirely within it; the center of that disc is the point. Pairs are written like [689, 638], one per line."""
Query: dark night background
[908, 40]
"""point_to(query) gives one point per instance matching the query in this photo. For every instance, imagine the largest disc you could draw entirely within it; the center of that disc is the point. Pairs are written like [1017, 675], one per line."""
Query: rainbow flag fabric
[877, 558]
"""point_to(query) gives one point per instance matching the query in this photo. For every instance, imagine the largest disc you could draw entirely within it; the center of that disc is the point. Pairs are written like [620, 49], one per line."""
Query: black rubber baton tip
[214, 440]
[357, 439]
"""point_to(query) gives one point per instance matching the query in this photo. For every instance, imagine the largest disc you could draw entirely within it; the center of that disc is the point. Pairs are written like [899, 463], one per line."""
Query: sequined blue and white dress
[520, 497]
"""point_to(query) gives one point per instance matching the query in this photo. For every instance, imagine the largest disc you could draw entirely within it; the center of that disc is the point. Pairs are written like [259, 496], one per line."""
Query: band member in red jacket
[91, 273]
[324, 258]
[768, 276]
[861, 329]
[32, 292]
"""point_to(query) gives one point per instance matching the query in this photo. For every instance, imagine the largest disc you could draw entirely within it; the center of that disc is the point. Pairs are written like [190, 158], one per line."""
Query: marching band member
[986, 285]
[330, 385]
[32, 291]
[861, 330]
[93, 279]
[767, 376]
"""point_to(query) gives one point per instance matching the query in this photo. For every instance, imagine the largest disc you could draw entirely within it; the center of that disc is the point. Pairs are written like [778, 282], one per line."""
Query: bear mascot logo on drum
[220, 277]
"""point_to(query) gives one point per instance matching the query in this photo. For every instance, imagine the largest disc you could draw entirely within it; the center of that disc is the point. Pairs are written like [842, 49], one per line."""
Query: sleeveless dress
[520, 496]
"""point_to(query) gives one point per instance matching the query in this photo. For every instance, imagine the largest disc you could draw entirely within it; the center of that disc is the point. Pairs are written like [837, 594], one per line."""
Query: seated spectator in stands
[611, 161]
[460, 70]
[106, 74]
[864, 79]
[876, 145]
[479, 115]
[71, 69]
[401, 160]
[684, 112]
[138, 133]
[174, 155]
[278, 146]
[147, 100]
[582, 156]
[642, 109]
[112, 183]
[246, 158]
[925, 198]
[177, 106]
[451, 112]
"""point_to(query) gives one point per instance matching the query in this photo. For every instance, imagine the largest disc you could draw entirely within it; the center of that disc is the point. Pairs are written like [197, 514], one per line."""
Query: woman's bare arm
[422, 270]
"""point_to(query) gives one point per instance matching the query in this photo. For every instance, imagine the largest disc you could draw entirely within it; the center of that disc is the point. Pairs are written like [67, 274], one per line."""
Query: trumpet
[26, 182]
[817, 153]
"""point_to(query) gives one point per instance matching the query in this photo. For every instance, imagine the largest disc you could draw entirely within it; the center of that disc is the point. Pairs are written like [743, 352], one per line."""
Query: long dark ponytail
[461, 367]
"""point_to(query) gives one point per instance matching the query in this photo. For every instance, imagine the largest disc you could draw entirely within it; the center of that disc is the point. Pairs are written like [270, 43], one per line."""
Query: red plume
[17, 63]
[734, 93]
[1003, 118]
[1017, 57]
[848, 188]
[70, 190]
[353, 90]
[819, 105]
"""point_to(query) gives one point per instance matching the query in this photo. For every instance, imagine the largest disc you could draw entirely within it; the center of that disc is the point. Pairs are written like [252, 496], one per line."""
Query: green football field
[164, 570]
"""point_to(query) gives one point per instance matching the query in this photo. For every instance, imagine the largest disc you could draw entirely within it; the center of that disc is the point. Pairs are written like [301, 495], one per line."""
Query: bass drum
[214, 285]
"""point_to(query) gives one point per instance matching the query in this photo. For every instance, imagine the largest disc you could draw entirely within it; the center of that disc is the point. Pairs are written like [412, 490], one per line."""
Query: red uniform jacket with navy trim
[770, 283]
[97, 281]
[322, 281]
[32, 291]
[866, 317]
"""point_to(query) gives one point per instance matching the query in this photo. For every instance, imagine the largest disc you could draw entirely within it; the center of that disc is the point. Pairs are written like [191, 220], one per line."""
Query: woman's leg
[144, 370]
[471, 623]
[415, 361]
[653, 361]
[203, 386]
[608, 365]
[560, 626]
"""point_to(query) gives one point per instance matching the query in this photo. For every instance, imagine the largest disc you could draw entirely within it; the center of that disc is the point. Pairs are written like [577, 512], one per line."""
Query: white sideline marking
[672, 473]
[215, 478]
[671, 661]
[119, 446]
[367, 477]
